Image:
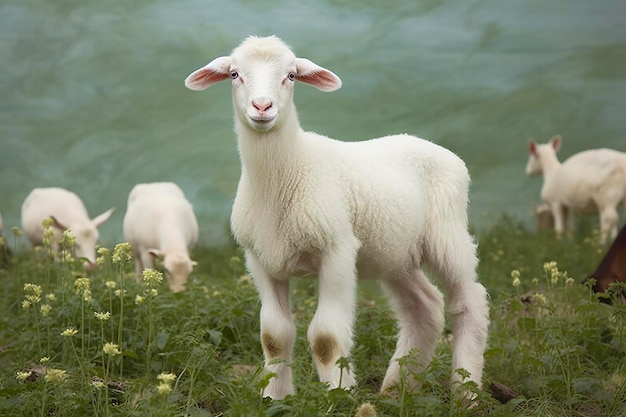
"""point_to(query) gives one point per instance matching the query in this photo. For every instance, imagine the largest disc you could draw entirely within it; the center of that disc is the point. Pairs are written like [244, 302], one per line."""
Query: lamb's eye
[291, 76]
[234, 75]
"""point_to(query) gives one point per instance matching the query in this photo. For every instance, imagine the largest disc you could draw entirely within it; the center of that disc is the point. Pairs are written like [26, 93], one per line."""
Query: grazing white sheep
[67, 211]
[159, 221]
[307, 204]
[592, 181]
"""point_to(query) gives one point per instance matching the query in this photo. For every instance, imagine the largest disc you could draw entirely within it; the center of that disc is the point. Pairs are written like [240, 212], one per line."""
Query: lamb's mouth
[262, 123]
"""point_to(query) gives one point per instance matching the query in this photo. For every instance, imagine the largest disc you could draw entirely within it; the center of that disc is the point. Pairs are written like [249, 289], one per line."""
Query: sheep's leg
[145, 260]
[608, 223]
[330, 331]
[278, 331]
[138, 267]
[557, 213]
[469, 310]
[455, 261]
[419, 307]
[568, 221]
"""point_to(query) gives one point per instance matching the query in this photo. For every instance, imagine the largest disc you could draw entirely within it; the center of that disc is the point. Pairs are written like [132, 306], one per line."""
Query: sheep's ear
[98, 220]
[155, 253]
[310, 73]
[57, 224]
[556, 142]
[213, 72]
[533, 147]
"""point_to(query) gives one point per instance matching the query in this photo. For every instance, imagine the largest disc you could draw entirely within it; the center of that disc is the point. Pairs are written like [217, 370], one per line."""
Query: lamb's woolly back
[308, 204]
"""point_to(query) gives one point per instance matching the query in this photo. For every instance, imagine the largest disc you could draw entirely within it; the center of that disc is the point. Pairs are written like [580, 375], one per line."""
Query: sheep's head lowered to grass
[263, 80]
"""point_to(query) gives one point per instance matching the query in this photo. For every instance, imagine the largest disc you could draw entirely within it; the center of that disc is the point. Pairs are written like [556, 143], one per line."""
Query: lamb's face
[533, 166]
[86, 239]
[263, 81]
[263, 71]
[178, 269]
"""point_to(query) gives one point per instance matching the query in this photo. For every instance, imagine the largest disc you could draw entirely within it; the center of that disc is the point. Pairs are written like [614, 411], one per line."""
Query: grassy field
[111, 346]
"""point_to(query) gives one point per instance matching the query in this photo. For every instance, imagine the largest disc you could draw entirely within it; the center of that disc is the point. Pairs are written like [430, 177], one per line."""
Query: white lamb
[592, 181]
[67, 211]
[307, 204]
[159, 221]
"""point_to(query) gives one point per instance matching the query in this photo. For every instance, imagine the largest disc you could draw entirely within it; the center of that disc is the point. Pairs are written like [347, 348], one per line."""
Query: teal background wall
[92, 95]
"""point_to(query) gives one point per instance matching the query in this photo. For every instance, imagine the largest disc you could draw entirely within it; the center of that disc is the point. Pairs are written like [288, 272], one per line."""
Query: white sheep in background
[592, 181]
[307, 204]
[159, 221]
[67, 211]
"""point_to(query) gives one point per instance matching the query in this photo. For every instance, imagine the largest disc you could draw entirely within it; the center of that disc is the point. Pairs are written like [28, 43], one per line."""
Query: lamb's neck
[549, 162]
[266, 156]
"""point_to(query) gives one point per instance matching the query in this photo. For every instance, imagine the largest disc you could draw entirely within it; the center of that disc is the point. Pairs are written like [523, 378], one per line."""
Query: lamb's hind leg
[608, 223]
[419, 307]
[455, 261]
[277, 329]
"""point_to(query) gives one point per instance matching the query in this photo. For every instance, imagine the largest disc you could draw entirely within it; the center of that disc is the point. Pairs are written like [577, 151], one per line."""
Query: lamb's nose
[262, 104]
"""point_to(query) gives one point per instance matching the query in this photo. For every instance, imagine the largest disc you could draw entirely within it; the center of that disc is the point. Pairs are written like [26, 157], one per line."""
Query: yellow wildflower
[111, 349]
[139, 299]
[103, 253]
[69, 332]
[164, 388]
[22, 376]
[68, 240]
[167, 377]
[102, 316]
[152, 277]
[45, 309]
[32, 288]
[110, 284]
[55, 375]
[121, 253]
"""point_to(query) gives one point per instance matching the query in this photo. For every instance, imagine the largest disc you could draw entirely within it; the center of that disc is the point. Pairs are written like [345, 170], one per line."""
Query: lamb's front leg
[278, 331]
[559, 220]
[330, 331]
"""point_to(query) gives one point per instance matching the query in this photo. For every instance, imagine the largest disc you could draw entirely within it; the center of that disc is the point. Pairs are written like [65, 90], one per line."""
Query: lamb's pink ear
[213, 72]
[309, 72]
[533, 147]
[556, 142]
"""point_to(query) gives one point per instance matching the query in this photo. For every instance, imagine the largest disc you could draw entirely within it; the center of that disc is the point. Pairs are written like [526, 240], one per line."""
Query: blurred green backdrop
[92, 96]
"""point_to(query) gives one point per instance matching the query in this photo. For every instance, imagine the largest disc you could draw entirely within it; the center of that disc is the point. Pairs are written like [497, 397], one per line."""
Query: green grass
[564, 353]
